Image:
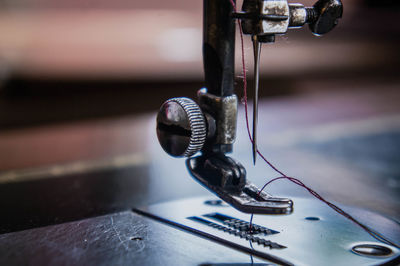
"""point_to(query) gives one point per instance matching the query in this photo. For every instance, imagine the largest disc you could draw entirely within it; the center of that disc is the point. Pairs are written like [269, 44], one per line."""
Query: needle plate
[312, 235]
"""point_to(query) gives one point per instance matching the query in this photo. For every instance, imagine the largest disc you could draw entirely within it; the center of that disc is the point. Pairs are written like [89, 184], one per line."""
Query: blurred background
[81, 82]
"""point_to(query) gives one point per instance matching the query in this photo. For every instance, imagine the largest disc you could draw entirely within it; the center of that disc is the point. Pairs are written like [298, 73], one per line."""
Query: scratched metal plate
[123, 238]
[312, 235]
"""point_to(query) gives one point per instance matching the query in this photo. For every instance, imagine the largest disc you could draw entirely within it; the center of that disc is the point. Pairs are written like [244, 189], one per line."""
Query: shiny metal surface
[219, 47]
[121, 238]
[181, 127]
[298, 15]
[264, 17]
[226, 178]
[224, 111]
[327, 240]
[267, 18]
[324, 15]
[372, 250]
[257, 51]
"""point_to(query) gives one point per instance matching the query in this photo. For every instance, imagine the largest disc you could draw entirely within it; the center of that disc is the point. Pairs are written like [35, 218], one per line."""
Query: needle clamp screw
[324, 16]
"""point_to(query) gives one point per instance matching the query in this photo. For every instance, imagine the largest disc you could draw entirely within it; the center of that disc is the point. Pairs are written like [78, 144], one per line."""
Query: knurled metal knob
[324, 15]
[181, 127]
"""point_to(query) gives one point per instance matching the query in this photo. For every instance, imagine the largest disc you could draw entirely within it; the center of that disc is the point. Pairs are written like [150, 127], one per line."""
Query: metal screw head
[373, 250]
[181, 127]
[327, 15]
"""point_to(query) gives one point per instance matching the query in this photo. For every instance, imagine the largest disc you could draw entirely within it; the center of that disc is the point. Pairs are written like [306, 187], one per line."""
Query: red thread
[296, 181]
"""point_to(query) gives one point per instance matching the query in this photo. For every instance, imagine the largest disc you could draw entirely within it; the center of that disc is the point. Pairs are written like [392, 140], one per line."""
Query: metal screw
[181, 127]
[324, 15]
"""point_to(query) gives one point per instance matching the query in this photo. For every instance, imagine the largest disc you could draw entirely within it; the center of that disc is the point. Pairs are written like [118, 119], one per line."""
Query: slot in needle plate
[312, 235]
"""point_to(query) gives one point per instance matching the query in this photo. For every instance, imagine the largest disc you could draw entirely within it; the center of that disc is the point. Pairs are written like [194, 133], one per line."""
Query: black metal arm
[219, 47]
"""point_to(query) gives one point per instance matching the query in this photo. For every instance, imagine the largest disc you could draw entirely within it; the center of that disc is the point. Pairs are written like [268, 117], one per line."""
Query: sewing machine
[185, 128]
[205, 230]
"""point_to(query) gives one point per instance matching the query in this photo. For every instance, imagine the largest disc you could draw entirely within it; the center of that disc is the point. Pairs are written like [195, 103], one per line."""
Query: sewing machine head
[185, 128]
[267, 18]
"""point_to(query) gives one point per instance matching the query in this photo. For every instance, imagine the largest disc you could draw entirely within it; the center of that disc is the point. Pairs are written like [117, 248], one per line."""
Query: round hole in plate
[311, 218]
[372, 250]
[214, 202]
[136, 238]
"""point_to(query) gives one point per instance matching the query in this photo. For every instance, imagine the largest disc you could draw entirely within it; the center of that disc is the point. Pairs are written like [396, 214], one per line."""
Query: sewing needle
[257, 52]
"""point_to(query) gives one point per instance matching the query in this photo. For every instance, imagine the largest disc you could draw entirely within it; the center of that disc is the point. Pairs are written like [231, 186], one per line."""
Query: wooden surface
[154, 40]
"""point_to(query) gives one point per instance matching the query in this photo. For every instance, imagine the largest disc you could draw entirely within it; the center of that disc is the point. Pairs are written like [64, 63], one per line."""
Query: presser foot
[226, 178]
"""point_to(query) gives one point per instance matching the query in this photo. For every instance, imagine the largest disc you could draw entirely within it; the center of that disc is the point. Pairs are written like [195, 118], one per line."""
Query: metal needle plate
[312, 235]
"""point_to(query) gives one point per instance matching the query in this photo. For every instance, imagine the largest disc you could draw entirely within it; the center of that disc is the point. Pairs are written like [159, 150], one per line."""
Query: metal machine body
[185, 128]
[210, 127]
